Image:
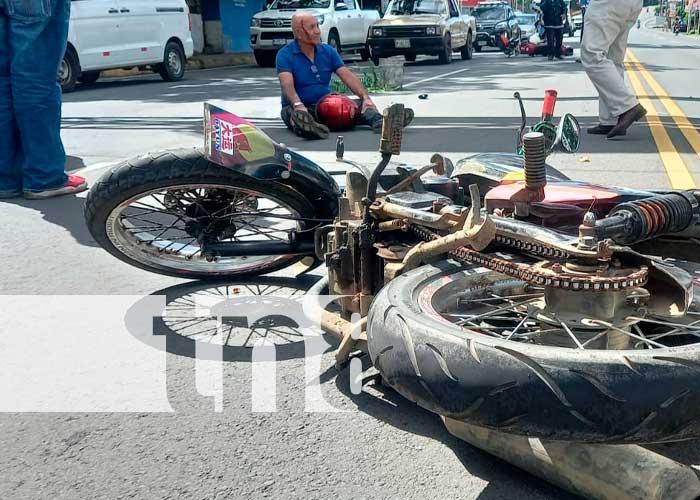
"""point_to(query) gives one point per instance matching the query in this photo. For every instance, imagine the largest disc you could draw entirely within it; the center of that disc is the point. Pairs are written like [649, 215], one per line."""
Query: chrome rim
[499, 307]
[63, 71]
[174, 62]
[161, 228]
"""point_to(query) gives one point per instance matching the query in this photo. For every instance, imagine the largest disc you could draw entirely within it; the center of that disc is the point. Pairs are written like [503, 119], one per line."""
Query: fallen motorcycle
[496, 291]
[509, 46]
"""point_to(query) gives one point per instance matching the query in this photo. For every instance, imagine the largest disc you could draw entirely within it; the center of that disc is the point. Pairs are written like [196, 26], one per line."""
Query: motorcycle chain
[532, 274]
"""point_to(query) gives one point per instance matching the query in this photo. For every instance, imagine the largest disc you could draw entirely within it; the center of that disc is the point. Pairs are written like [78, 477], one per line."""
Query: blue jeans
[33, 37]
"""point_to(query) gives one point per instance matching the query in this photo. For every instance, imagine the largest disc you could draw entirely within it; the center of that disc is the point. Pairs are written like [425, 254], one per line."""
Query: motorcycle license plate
[481, 43]
[402, 43]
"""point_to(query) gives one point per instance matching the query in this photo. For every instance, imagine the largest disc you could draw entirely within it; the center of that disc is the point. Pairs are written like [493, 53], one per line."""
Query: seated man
[305, 67]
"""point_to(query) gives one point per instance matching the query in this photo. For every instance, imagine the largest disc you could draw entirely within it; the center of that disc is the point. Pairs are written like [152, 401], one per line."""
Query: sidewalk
[197, 61]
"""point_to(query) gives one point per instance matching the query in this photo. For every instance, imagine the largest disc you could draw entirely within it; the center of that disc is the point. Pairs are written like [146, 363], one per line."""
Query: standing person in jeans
[33, 38]
[608, 24]
[553, 15]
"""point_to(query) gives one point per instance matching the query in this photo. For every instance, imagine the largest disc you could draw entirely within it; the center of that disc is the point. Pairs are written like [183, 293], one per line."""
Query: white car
[344, 26]
[108, 34]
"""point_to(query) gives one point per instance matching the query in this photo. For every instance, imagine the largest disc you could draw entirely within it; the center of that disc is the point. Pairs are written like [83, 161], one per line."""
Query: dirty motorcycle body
[495, 290]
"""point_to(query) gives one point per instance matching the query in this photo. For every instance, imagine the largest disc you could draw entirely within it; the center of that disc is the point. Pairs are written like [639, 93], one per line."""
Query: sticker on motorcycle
[224, 136]
[232, 140]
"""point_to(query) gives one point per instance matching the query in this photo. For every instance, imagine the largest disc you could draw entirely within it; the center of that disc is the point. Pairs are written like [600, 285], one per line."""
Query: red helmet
[338, 112]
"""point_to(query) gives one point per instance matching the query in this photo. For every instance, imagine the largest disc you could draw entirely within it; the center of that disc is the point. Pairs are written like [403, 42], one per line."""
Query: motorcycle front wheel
[154, 211]
[475, 345]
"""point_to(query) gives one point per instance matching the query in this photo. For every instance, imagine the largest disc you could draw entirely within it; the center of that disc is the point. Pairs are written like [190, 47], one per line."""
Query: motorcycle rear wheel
[147, 212]
[433, 337]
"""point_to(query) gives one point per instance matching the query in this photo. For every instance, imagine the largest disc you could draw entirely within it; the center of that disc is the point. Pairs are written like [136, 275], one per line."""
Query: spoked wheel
[161, 225]
[238, 314]
[494, 351]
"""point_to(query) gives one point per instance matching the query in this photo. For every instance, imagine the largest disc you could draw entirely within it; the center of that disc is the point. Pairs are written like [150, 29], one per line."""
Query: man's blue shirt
[311, 80]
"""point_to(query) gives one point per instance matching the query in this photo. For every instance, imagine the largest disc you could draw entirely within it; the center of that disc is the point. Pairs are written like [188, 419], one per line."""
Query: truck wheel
[410, 57]
[173, 67]
[68, 71]
[445, 56]
[467, 49]
[477, 48]
[334, 40]
[265, 58]
[364, 53]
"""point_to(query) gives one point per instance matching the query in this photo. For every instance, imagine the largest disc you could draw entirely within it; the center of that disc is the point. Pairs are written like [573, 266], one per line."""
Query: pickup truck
[432, 27]
[344, 26]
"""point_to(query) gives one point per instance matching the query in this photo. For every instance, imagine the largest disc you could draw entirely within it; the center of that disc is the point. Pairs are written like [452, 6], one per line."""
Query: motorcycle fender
[234, 142]
[300, 174]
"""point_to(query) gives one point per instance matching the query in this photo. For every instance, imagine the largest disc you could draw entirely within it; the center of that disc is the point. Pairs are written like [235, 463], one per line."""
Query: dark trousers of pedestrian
[367, 117]
[583, 22]
[33, 37]
[555, 36]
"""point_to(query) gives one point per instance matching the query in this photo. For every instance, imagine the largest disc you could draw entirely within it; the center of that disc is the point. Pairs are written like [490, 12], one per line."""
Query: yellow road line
[673, 163]
[687, 128]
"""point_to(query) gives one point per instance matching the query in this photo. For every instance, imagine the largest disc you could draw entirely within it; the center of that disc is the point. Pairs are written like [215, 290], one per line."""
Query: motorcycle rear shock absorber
[639, 220]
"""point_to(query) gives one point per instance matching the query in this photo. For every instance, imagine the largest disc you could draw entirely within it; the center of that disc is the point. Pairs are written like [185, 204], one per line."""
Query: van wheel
[173, 67]
[265, 58]
[68, 71]
[89, 77]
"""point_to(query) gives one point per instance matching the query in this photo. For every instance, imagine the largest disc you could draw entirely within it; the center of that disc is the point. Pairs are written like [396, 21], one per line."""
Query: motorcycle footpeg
[392, 130]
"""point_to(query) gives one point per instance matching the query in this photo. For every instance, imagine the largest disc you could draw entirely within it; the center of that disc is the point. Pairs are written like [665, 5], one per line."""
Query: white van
[108, 34]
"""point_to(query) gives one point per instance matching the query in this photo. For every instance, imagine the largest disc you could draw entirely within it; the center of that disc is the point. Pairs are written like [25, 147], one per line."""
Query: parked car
[527, 25]
[108, 34]
[344, 26]
[493, 19]
[430, 27]
[577, 20]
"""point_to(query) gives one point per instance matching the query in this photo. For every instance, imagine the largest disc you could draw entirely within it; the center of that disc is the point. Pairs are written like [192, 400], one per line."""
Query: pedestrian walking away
[608, 23]
[553, 15]
[33, 37]
[304, 68]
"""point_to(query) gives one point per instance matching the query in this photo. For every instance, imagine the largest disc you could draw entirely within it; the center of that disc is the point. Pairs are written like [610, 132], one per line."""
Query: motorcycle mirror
[568, 134]
[442, 165]
[392, 130]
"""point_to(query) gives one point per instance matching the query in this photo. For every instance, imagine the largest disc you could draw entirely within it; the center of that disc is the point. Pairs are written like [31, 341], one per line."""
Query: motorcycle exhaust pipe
[595, 471]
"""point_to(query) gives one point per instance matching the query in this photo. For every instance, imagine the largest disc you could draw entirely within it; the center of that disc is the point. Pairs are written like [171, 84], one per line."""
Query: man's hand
[368, 103]
[355, 85]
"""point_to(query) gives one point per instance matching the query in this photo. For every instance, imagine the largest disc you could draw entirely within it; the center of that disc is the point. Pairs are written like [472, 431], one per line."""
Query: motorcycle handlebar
[550, 100]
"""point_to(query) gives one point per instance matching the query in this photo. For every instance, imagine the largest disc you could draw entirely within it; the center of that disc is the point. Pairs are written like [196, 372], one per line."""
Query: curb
[193, 63]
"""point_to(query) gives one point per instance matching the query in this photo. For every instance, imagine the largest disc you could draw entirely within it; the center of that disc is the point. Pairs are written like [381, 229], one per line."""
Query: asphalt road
[378, 445]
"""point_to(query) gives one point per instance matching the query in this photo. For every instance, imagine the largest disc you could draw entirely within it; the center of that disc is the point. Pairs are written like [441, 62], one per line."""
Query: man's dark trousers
[555, 36]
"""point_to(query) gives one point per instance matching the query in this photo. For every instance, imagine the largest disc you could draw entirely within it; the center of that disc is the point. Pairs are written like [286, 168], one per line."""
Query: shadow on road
[192, 309]
[391, 408]
[64, 211]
